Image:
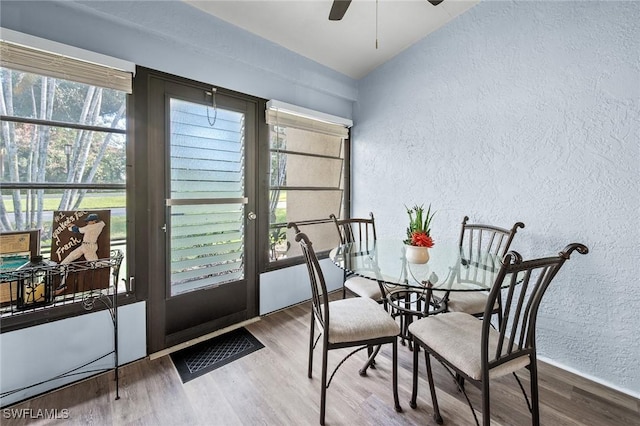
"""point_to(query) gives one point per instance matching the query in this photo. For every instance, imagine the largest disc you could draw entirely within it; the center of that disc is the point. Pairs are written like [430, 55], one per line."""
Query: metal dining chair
[478, 352]
[356, 322]
[362, 231]
[476, 240]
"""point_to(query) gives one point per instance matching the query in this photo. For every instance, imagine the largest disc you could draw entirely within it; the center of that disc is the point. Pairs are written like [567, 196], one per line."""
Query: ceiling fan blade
[339, 8]
[435, 2]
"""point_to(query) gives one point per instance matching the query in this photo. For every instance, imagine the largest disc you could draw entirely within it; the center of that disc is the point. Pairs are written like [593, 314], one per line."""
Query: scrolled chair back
[355, 230]
[521, 284]
[477, 351]
[479, 238]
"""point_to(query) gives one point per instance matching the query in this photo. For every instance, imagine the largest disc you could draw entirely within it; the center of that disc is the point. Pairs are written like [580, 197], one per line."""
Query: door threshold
[207, 336]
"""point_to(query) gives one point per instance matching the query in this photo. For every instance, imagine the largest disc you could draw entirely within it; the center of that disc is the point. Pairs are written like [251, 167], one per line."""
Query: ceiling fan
[339, 8]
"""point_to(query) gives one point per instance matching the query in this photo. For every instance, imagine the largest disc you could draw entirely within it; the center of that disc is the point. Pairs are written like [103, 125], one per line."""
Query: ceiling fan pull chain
[376, 24]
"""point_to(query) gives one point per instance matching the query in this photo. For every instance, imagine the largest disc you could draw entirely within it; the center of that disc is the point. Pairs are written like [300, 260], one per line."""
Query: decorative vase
[416, 254]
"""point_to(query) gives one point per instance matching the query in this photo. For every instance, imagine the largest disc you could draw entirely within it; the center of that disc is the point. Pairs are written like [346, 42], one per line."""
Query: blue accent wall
[515, 111]
[523, 111]
[176, 38]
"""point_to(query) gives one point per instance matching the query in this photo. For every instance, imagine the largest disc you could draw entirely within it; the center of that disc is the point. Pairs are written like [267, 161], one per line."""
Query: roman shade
[287, 115]
[39, 56]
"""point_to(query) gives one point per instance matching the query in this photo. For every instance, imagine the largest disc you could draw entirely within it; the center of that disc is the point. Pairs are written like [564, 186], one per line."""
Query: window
[62, 144]
[307, 177]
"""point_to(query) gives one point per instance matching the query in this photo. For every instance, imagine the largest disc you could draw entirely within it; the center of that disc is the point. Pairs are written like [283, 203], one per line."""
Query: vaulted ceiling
[370, 33]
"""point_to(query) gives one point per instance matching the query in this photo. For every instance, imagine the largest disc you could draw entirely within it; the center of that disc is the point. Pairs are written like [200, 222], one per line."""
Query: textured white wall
[523, 111]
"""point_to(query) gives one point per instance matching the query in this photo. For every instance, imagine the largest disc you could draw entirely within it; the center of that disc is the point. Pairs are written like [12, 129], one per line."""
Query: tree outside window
[62, 147]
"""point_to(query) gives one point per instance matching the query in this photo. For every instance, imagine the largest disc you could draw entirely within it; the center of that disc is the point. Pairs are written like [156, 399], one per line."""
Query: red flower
[421, 239]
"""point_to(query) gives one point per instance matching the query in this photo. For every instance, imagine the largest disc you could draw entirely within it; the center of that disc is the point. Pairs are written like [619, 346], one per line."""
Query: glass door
[206, 211]
[201, 153]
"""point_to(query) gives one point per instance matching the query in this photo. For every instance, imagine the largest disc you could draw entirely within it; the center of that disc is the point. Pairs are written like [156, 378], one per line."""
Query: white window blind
[32, 60]
[281, 114]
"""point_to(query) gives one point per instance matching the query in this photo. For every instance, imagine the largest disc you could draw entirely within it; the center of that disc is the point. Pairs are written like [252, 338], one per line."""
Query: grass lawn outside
[104, 201]
[90, 202]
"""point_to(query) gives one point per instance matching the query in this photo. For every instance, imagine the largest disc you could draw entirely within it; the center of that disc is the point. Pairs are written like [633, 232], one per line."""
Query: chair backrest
[477, 238]
[319, 297]
[360, 230]
[482, 247]
[522, 284]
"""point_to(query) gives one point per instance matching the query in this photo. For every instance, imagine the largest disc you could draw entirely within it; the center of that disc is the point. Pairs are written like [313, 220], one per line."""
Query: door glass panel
[206, 165]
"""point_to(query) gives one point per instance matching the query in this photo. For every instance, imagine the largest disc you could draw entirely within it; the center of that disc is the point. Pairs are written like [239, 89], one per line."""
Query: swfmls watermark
[35, 413]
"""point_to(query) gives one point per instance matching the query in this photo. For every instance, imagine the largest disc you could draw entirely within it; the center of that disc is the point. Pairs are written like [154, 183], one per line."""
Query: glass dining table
[417, 290]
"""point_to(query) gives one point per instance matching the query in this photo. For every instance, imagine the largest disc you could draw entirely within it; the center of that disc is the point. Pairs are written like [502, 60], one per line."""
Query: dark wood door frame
[149, 277]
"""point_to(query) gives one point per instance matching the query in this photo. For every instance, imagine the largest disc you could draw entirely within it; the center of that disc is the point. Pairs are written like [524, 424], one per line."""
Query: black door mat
[206, 356]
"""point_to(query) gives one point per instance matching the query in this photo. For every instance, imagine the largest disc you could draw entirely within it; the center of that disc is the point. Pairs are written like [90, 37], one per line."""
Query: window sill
[298, 260]
[32, 319]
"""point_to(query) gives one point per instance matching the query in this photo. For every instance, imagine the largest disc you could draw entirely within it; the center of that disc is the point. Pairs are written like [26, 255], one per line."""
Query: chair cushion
[470, 302]
[359, 318]
[456, 336]
[364, 287]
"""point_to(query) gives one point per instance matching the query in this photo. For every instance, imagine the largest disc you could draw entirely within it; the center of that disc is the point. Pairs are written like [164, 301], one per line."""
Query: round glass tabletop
[449, 267]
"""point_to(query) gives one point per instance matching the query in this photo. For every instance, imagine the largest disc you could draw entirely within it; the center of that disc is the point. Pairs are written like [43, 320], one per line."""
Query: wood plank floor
[270, 387]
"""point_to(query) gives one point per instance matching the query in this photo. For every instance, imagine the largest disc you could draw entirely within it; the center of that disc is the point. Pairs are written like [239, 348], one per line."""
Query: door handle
[251, 216]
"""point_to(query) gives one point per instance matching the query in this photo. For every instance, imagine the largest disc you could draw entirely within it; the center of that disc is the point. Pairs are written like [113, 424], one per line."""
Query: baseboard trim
[208, 336]
[589, 377]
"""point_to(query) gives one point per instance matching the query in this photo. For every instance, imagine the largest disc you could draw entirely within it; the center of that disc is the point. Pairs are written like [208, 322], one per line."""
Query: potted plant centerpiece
[419, 238]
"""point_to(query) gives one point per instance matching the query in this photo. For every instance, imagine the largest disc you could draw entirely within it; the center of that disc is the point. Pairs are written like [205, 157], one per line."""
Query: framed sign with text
[78, 236]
